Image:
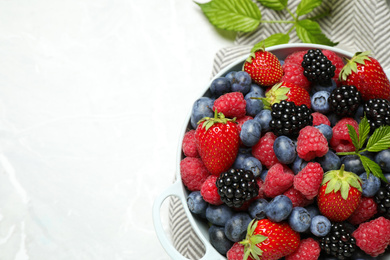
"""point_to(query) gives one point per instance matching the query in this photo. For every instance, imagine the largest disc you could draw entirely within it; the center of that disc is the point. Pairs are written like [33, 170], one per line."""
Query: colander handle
[174, 190]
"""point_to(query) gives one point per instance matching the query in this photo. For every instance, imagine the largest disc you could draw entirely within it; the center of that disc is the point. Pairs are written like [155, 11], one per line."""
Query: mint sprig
[378, 141]
[245, 16]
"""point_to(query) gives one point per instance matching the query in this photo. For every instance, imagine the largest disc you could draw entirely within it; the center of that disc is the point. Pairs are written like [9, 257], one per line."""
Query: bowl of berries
[287, 155]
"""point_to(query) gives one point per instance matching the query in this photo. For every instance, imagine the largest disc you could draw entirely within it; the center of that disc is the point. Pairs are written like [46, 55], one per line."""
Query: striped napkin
[357, 25]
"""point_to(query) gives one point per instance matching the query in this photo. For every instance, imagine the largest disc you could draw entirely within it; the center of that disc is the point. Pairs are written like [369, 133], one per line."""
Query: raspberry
[311, 143]
[308, 249]
[366, 209]
[297, 198]
[264, 150]
[319, 119]
[308, 180]
[193, 173]
[341, 141]
[373, 237]
[293, 73]
[209, 191]
[295, 57]
[189, 145]
[336, 60]
[231, 105]
[236, 252]
[277, 181]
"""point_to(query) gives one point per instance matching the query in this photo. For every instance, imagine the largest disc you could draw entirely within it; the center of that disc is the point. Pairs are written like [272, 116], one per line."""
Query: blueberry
[218, 215]
[353, 164]
[370, 185]
[281, 62]
[220, 86]
[264, 117]
[230, 76]
[202, 107]
[250, 133]
[299, 219]
[257, 208]
[298, 165]
[359, 114]
[383, 159]
[319, 102]
[252, 164]
[284, 149]
[330, 161]
[387, 176]
[317, 87]
[241, 82]
[236, 226]
[326, 131]
[361, 255]
[196, 203]
[320, 226]
[219, 240]
[279, 208]
[253, 106]
[263, 174]
[257, 89]
[239, 162]
[313, 211]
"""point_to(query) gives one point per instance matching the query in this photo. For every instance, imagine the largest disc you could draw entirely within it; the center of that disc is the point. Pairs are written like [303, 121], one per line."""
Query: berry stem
[293, 16]
[341, 172]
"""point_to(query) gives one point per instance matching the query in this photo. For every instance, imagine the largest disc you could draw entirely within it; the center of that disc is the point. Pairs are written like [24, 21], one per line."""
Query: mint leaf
[306, 6]
[364, 130]
[380, 139]
[232, 15]
[354, 137]
[274, 39]
[371, 166]
[277, 5]
[310, 32]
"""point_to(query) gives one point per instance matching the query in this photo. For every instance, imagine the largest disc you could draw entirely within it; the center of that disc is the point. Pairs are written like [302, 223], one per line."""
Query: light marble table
[93, 94]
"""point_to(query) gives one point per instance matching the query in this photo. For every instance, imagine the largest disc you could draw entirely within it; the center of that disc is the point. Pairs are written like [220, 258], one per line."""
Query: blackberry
[339, 242]
[382, 198]
[377, 112]
[288, 118]
[236, 186]
[345, 100]
[317, 67]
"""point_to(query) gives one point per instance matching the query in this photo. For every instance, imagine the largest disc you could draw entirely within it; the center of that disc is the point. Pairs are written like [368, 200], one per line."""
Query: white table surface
[93, 94]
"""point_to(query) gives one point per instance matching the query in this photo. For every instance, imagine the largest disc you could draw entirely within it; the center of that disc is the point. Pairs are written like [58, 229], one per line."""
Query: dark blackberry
[317, 67]
[288, 118]
[382, 199]
[345, 100]
[236, 186]
[339, 242]
[377, 112]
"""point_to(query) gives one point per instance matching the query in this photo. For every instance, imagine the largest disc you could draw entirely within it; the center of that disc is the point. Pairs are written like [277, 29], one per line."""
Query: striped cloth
[358, 25]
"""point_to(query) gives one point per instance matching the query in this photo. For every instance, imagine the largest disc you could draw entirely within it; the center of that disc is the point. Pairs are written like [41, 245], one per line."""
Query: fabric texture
[357, 25]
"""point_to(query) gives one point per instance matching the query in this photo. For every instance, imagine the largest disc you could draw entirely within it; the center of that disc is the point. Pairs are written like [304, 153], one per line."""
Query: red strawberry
[339, 194]
[267, 240]
[286, 91]
[263, 67]
[367, 75]
[217, 140]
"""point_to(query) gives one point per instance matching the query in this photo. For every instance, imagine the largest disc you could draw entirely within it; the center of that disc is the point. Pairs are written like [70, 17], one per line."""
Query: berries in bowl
[292, 162]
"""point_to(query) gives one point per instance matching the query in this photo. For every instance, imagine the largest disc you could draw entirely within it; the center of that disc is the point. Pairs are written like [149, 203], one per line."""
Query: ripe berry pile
[278, 163]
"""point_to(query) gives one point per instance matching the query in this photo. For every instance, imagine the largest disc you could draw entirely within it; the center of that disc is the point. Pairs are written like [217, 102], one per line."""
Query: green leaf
[277, 5]
[380, 139]
[274, 39]
[310, 32]
[306, 6]
[364, 130]
[354, 136]
[232, 15]
[372, 167]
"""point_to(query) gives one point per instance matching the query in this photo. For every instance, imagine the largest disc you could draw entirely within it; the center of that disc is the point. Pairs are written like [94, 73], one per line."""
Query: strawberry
[286, 91]
[339, 194]
[217, 140]
[263, 67]
[267, 240]
[367, 75]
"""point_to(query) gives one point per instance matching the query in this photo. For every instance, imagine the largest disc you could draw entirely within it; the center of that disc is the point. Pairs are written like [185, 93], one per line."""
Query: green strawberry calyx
[251, 241]
[340, 180]
[252, 55]
[276, 94]
[351, 65]
[218, 118]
